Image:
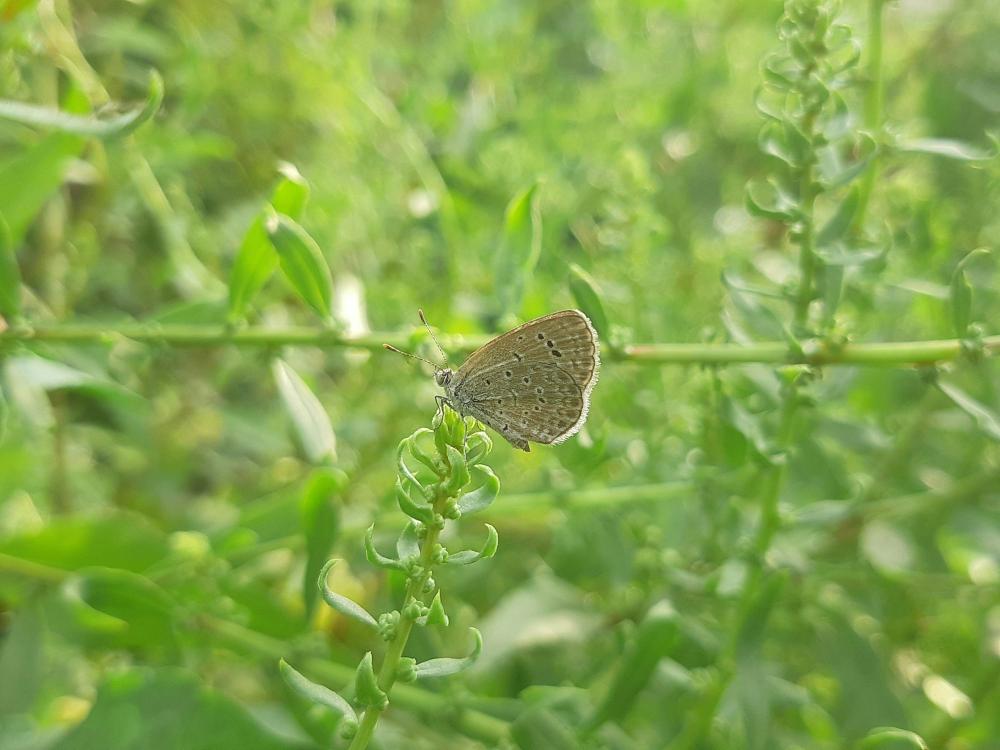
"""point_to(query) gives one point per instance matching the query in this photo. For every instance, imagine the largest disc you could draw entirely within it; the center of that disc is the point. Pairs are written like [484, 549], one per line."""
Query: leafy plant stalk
[440, 477]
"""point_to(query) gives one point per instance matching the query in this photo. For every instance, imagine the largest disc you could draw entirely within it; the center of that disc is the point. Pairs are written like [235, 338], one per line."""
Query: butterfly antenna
[433, 337]
[391, 348]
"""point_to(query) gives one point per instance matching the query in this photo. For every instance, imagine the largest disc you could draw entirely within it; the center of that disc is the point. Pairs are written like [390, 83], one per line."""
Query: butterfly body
[531, 384]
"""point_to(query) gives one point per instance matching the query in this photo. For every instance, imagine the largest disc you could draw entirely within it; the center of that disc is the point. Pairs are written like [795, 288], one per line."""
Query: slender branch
[390, 663]
[888, 354]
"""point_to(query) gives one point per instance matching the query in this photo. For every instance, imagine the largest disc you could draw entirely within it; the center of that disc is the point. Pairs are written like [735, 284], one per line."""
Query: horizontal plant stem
[880, 354]
[767, 352]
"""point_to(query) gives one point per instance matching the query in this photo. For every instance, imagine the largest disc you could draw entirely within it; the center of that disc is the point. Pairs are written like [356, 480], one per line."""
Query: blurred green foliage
[726, 557]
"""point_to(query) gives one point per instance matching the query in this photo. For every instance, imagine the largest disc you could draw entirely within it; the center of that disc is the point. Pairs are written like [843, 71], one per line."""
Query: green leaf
[458, 472]
[257, 258]
[446, 667]
[143, 608]
[520, 249]
[890, 738]
[944, 147]
[340, 603]
[654, 639]
[541, 729]
[168, 709]
[366, 685]
[834, 173]
[10, 276]
[961, 293]
[312, 425]
[435, 613]
[467, 557]
[586, 293]
[840, 222]
[302, 262]
[420, 511]
[769, 201]
[408, 543]
[321, 525]
[30, 178]
[482, 497]
[111, 127]
[985, 419]
[373, 554]
[316, 693]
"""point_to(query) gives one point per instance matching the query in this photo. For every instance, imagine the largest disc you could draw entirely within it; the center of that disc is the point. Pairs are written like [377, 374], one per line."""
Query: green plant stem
[890, 354]
[390, 663]
[700, 724]
[440, 707]
[874, 98]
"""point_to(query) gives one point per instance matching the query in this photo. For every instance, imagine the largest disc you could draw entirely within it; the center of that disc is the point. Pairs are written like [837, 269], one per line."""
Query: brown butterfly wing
[534, 382]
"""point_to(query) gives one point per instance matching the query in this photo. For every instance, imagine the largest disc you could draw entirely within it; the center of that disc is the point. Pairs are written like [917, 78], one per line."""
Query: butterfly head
[442, 376]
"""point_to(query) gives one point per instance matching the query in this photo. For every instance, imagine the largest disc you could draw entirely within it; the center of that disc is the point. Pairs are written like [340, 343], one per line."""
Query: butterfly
[531, 384]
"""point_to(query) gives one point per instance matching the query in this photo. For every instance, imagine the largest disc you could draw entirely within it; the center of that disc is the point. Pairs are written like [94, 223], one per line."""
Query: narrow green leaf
[420, 511]
[961, 293]
[458, 475]
[944, 147]
[413, 445]
[340, 603]
[257, 258]
[778, 206]
[519, 250]
[985, 419]
[467, 557]
[478, 446]
[373, 554]
[291, 194]
[482, 497]
[588, 299]
[445, 667]
[366, 685]
[320, 522]
[840, 222]
[408, 544]
[30, 178]
[111, 127]
[312, 425]
[654, 639]
[143, 608]
[835, 175]
[435, 613]
[10, 276]
[316, 693]
[302, 262]
[890, 738]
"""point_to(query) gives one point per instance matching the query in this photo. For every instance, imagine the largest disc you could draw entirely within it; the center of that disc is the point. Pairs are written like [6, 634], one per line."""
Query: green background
[162, 511]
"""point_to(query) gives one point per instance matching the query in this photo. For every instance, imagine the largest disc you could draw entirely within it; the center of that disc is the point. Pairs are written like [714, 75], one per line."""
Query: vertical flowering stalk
[809, 131]
[440, 478]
